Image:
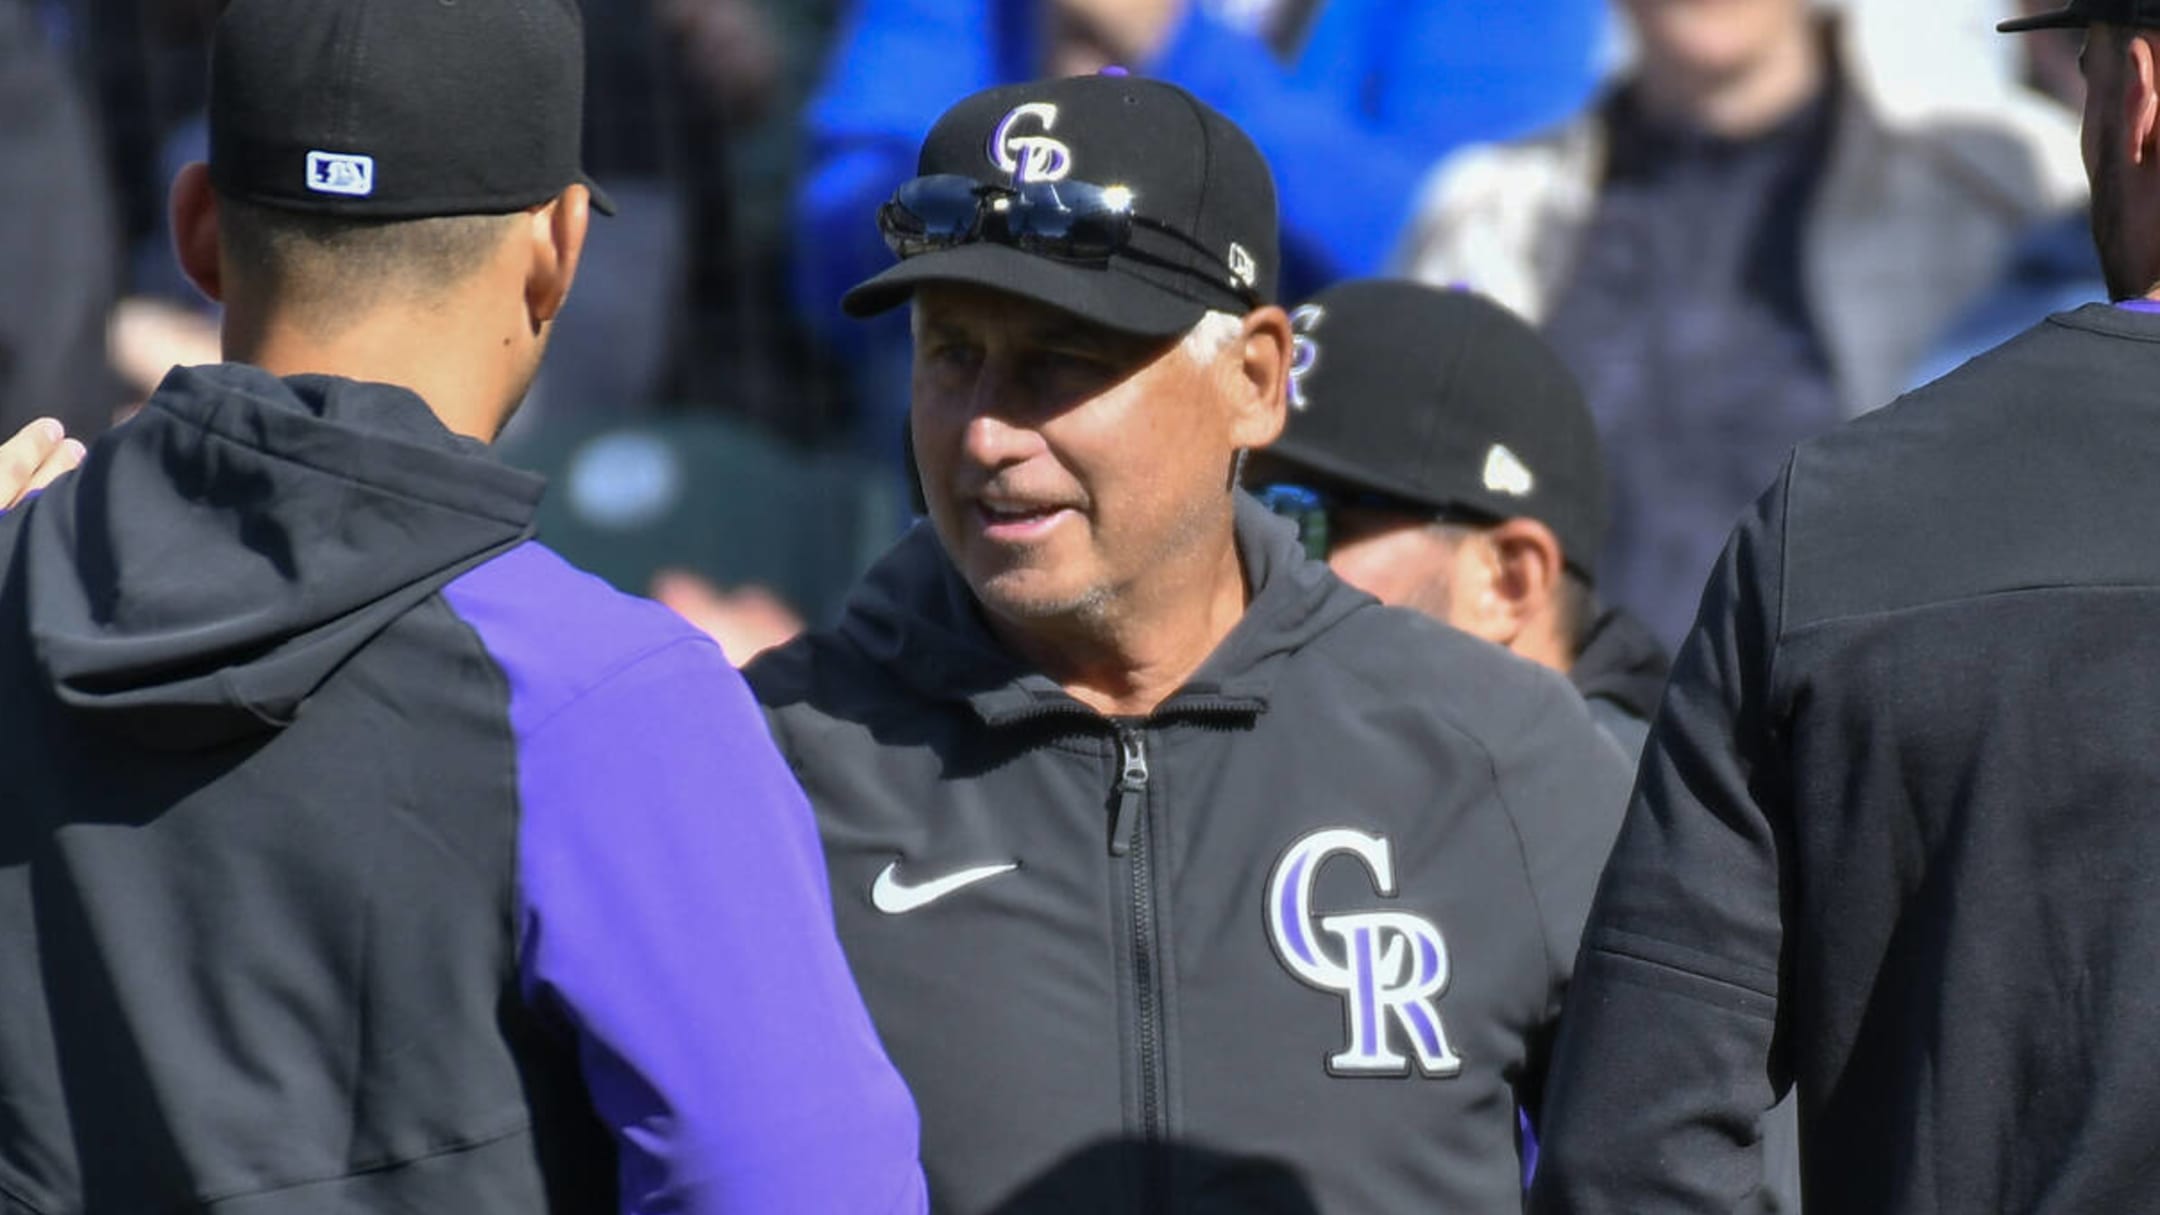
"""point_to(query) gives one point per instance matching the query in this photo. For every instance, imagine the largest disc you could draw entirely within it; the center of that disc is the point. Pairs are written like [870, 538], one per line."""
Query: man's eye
[1071, 363]
[954, 355]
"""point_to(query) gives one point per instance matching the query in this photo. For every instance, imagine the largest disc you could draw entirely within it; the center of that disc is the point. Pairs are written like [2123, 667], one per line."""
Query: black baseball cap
[1187, 169]
[1443, 400]
[2078, 14]
[398, 109]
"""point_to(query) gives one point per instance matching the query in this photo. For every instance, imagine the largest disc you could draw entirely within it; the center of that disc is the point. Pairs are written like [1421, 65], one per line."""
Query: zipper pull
[1131, 788]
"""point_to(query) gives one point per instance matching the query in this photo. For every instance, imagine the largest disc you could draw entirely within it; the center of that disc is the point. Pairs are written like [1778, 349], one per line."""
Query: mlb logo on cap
[339, 173]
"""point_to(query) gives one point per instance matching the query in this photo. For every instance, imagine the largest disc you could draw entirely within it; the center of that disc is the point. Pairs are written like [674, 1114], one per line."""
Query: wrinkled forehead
[985, 314]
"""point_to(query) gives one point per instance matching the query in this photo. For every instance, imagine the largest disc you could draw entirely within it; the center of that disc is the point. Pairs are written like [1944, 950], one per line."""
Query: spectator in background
[1747, 240]
[59, 250]
[1348, 99]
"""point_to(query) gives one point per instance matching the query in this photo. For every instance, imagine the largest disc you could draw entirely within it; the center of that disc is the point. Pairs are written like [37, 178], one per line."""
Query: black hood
[914, 613]
[218, 557]
[1622, 662]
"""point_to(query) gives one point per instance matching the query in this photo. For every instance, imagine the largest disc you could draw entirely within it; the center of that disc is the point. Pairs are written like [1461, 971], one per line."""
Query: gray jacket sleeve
[1664, 1064]
[1564, 786]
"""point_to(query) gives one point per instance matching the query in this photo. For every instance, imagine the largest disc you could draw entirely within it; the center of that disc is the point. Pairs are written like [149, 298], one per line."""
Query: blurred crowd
[1740, 222]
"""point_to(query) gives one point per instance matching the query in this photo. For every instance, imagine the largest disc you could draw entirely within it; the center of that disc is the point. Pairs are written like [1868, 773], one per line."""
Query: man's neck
[1126, 664]
[422, 358]
[1746, 102]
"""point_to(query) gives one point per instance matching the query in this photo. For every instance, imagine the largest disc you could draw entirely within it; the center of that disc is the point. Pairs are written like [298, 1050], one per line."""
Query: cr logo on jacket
[1392, 966]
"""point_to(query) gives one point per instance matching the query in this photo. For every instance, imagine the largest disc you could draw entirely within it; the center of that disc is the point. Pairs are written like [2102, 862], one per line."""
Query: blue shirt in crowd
[1371, 94]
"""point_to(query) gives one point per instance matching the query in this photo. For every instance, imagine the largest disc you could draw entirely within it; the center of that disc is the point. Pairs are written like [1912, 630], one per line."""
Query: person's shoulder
[1408, 662]
[2002, 143]
[558, 632]
[1999, 391]
[1483, 210]
[1976, 482]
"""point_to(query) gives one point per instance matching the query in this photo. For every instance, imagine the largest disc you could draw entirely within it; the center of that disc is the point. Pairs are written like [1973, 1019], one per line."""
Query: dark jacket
[1119, 961]
[1894, 840]
[359, 855]
[1621, 673]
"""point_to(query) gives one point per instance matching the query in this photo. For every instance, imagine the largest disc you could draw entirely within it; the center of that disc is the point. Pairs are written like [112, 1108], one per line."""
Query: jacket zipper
[1129, 839]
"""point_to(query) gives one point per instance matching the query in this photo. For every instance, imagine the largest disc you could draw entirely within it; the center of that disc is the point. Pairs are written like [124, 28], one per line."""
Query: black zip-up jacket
[1898, 825]
[1295, 942]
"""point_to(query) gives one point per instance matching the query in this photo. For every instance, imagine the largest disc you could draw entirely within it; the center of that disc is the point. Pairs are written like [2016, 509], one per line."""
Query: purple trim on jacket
[675, 911]
[2138, 305]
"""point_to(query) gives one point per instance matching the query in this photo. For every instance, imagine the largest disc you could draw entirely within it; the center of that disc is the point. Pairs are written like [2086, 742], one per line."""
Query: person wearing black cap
[1893, 841]
[1439, 456]
[358, 853]
[1169, 883]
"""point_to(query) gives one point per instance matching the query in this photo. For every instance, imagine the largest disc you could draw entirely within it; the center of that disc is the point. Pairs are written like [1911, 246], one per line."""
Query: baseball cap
[1203, 235]
[2078, 14]
[398, 109]
[1445, 400]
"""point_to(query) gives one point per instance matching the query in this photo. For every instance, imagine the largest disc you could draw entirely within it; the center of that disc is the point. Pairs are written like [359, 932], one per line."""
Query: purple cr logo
[1389, 967]
[1304, 351]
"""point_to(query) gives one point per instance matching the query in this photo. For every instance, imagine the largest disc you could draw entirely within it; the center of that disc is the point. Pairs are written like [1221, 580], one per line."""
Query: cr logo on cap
[1304, 351]
[1030, 157]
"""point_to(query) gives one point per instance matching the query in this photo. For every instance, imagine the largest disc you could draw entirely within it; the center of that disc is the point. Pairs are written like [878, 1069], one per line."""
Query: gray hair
[1206, 341]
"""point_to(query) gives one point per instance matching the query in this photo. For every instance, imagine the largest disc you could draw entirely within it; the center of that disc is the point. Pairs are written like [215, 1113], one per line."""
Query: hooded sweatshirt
[359, 854]
[1294, 942]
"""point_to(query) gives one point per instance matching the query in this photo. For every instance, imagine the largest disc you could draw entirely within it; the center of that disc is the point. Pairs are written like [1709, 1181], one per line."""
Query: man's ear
[557, 231]
[196, 243]
[1529, 567]
[1263, 372]
[2141, 99]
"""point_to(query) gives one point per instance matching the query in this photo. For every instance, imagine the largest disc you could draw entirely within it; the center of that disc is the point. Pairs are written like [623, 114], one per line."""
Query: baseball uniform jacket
[1294, 942]
[1895, 838]
[357, 854]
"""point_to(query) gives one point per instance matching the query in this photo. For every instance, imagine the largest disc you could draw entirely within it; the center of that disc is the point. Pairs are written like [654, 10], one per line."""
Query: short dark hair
[328, 269]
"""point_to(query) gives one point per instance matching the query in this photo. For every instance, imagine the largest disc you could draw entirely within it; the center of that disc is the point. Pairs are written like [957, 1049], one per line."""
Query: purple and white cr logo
[1031, 157]
[1304, 351]
[1389, 967]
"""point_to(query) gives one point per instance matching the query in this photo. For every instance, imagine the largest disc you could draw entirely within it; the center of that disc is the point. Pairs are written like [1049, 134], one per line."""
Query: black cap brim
[2066, 18]
[601, 202]
[1333, 471]
[1100, 295]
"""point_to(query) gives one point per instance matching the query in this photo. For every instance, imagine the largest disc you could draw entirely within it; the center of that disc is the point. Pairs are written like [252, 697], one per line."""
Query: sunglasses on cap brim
[1312, 511]
[1068, 221]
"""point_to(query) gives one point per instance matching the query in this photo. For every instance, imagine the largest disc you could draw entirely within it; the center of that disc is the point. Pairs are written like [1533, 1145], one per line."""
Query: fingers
[64, 459]
[30, 461]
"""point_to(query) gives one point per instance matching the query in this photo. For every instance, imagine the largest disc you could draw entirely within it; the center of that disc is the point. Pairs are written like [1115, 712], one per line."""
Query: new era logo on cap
[1441, 400]
[1505, 473]
[341, 173]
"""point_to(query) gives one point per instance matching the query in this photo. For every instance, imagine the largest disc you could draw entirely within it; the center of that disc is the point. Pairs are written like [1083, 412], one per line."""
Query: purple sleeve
[676, 915]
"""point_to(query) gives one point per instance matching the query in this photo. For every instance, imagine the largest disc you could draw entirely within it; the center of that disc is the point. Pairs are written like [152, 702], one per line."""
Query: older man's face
[1065, 466]
[1710, 37]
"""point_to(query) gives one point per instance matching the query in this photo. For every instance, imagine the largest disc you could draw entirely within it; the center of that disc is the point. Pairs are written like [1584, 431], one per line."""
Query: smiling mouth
[1013, 520]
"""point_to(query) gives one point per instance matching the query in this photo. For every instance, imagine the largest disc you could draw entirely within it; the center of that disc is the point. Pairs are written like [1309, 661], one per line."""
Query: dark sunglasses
[1070, 221]
[1312, 510]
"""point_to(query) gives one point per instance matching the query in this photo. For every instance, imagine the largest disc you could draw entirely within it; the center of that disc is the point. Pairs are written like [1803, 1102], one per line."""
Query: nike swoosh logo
[892, 897]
